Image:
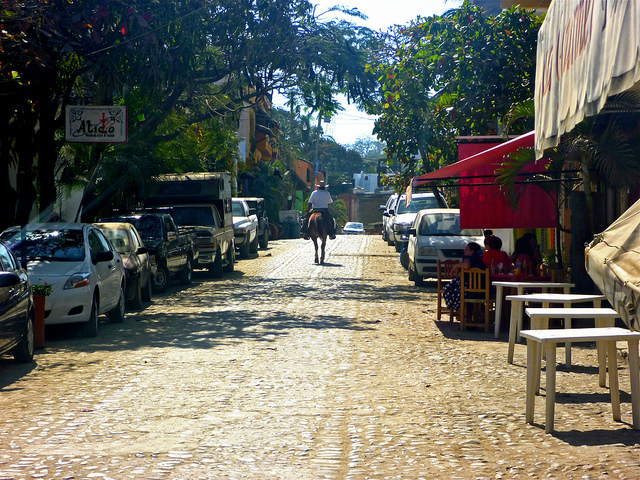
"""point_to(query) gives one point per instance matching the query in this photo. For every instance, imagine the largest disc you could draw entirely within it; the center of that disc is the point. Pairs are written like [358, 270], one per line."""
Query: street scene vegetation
[185, 71]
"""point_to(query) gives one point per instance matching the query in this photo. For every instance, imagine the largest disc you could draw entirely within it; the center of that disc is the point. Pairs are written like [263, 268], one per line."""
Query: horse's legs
[324, 242]
[315, 244]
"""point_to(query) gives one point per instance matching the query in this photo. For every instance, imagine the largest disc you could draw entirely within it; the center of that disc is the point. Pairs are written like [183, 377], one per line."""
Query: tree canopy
[449, 75]
[184, 70]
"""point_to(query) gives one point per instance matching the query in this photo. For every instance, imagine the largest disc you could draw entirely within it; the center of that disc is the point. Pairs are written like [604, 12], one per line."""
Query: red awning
[482, 205]
[493, 155]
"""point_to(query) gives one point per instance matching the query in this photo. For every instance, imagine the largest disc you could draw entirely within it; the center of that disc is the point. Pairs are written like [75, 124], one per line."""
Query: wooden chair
[475, 288]
[444, 277]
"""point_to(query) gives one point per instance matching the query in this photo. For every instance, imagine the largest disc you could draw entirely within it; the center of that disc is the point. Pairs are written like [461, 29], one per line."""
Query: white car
[353, 228]
[85, 271]
[391, 201]
[436, 235]
[403, 215]
[245, 227]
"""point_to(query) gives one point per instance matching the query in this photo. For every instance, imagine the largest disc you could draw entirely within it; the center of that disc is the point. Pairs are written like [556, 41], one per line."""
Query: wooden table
[520, 286]
[549, 339]
[604, 317]
[566, 299]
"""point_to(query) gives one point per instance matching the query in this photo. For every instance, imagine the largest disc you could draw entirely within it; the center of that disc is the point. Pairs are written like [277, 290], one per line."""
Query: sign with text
[96, 124]
[588, 50]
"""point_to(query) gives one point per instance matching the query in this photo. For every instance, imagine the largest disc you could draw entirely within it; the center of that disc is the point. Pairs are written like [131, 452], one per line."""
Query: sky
[351, 124]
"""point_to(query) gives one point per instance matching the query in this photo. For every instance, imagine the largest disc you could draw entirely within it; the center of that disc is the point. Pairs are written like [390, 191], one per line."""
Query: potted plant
[39, 292]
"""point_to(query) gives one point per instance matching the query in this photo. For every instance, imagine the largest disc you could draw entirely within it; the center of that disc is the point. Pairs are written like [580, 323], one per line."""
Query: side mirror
[412, 231]
[383, 207]
[8, 279]
[172, 235]
[142, 251]
[253, 211]
[104, 257]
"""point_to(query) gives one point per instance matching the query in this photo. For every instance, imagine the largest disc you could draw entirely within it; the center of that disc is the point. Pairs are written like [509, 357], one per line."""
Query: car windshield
[59, 245]
[119, 239]
[237, 209]
[353, 225]
[444, 224]
[417, 204]
[193, 216]
[147, 227]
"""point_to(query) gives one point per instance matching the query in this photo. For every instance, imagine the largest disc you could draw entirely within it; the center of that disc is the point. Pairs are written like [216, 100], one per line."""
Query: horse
[318, 230]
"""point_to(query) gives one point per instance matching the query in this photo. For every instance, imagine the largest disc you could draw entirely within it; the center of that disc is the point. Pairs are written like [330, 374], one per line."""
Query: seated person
[472, 258]
[494, 257]
[527, 254]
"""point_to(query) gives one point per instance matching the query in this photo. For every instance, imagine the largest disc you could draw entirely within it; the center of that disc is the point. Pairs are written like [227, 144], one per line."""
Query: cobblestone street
[289, 370]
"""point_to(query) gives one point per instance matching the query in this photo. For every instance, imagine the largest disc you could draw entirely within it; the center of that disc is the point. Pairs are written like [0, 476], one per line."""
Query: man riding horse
[320, 200]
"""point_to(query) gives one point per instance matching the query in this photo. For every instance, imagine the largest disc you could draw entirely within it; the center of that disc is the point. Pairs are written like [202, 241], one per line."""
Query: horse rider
[320, 200]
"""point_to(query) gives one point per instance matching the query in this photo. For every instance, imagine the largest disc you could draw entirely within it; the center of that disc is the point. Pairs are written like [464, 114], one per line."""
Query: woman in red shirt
[497, 260]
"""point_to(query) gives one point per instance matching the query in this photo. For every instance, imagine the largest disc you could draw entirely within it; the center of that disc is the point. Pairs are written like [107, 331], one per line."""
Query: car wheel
[244, 250]
[398, 246]
[90, 328]
[187, 274]
[231, 259]
[404, 258]
[146, 291]
[389, 241]
[253, 246]
[136, 302]
[23, 352]
[418, 279]
[264, 239]
[412, 272]
[216, 269]
[117, 314]
[161, 280]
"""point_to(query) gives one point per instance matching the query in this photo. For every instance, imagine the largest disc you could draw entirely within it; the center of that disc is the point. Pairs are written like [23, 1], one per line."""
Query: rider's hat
[321, 184]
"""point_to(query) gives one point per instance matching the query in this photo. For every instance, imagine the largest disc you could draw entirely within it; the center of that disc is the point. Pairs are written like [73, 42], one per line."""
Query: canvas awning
[486, 157]
[612, 260]
[587, 51]
[482, 204]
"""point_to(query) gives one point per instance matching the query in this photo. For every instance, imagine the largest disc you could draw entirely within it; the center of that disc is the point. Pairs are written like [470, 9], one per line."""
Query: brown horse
[318, 230]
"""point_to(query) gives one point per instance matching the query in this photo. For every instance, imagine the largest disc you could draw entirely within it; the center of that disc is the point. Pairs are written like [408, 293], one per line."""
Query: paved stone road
[288, 370]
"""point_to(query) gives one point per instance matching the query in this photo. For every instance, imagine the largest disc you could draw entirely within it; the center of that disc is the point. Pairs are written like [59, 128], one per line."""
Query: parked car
[85, 271]
[436, 235]
[390, 205]
[403, 215]
[258, 207]
[16, 308]
[171, 252]
[353, 228]
[245, 227]
[201, 202]
[137, 261]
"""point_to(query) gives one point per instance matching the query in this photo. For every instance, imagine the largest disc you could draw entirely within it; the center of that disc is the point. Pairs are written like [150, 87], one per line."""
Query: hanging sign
[587, 51]
[96, 124]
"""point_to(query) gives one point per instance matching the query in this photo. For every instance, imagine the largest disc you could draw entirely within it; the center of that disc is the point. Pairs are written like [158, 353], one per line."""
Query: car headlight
[428, 251]
[401, 227]
[78, 280]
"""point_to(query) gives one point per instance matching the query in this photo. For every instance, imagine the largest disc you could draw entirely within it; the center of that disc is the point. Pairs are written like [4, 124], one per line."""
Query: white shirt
[320, 199]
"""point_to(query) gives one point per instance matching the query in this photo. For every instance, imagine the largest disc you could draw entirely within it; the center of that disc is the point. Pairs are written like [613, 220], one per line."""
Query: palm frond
[615, 159]
[516, 112]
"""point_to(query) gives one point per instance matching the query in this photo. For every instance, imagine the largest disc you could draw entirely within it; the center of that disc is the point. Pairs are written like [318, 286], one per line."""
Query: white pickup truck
[245, 227]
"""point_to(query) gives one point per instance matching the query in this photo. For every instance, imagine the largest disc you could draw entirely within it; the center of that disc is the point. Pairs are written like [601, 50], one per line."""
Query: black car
[16, 308]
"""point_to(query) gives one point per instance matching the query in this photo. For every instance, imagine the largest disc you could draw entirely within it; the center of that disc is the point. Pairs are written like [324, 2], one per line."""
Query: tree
[450, 75]
[176, 65]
